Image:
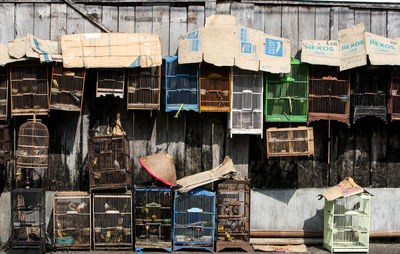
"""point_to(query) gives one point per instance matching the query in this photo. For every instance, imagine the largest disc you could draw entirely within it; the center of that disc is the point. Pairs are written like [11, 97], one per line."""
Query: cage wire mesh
[110, 82]
[144, 86]
[3, 93]
[4, 145]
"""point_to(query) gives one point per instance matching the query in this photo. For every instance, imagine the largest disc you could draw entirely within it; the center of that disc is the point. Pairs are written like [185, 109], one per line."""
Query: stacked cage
[144, 85]
[394, 103]
[28, 221]
[4, 146]
[233, 215]
[182, 85]
[194, 220]
[347, 223]
[71, 221]
[112, 221]
[109, 166]
[3, 93]
[287, 95]
[67, 88]
[329, 94]
[29, 89]
[153, 218]
[110, 82]
[214, 88]
[247, 102]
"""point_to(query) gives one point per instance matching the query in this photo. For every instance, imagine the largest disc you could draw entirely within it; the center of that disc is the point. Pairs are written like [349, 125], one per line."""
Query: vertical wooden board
[306, 23]
[290, 27]
[223, 8]
[6, 22]
[361, 154]
[237, 148]
[23, 19]
[96, 12]
[363, 16]
[346, 18]
[304, 172]
[392, 155]
[393, 24]
[206, 122]
[176, 142]
[193, 144]
[75, 22]
[161, 26]
[321, 23]
[41, 25]
[144, 19]
[126, 19]
[244, 13]
[378, 22]
[58, 20]
[110, 17]
[210, 9]
[319, 162]
[273, 20]
[218, 139]
[378, 152]
[195, 17]
[159, 135]
[259, 13]
[177, 27]
[334, 23]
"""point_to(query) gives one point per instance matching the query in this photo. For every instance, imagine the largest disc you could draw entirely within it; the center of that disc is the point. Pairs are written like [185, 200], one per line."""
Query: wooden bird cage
[370, 92]
[109, 166]
[246, 116]
[67, 87]
[287, 95]
[214, 88]
[29, 89]
[71, 220]
[394, 103]
[347, 223]
[3, 93]
[110, 82]
[329, 94]
[28, 225]
[233, 215]
[194, 220]
[32, 152]
[112, 221]
[153, 218]
[181, 85]
[4, 145]
[144, 88]
[296, 141]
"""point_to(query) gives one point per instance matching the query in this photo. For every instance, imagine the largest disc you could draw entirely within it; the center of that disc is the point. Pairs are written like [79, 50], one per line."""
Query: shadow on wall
[316, 222]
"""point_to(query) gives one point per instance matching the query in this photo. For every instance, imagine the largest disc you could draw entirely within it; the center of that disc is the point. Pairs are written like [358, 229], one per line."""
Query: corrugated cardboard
[222, 43]
[111, 50]
[352, 47]
[382, 50]
[320, 52]
[345, 188]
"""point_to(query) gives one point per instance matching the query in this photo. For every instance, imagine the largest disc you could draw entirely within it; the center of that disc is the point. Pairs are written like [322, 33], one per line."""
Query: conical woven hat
[161, 166]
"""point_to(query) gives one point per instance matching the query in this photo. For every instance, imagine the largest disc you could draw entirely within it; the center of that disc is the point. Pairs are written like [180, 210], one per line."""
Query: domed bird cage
[32, 153]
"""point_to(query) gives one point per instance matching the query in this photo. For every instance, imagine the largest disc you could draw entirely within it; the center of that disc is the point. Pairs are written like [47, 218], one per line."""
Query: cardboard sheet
[281, 248]
[352, 47]
[5, 57]
[320, 52]
[382, 50]
[111, 50]
[345, 188]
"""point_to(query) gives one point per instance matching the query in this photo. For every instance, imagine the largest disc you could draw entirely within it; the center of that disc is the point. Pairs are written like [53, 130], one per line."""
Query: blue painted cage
[181, 85]
[194, 220]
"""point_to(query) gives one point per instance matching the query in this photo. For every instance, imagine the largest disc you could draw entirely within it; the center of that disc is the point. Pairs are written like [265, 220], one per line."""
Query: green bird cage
[287, 95]
[347, 223]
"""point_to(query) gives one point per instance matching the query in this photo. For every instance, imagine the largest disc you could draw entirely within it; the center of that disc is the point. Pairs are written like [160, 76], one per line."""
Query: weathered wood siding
[367, 151]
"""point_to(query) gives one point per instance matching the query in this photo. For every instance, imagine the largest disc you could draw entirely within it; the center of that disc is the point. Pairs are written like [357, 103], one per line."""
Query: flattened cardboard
[382, 50]
[111, 50]
[320, 52]
[352, 47]
[274, 54]
[345, 188]
[5, 57]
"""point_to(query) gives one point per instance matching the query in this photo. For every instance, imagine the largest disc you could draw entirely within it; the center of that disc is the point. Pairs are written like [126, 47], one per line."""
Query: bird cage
[110, 82]
[109, 166]
[28, 221]
[394, 103]
[29, 89]
[71, 221]
[287, 95]
[144, 85]
[347, 223]
[233, 215]
[4, 145]
[3, 94]
[215, 88]
[246, 115]
[112, 221]
[370, 92]
[182, 85]
[153, 218]
[32, 153]
[329, 94]
[296, 141]
[194, 220]
[67, 88]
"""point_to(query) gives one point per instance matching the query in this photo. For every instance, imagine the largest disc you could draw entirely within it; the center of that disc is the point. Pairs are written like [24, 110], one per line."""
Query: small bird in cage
[227, 210]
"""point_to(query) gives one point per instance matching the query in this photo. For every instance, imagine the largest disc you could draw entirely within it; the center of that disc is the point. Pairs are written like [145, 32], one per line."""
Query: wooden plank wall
[199, 141]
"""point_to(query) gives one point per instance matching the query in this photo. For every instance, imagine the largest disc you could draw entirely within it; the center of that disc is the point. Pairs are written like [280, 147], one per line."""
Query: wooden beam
[106, 1]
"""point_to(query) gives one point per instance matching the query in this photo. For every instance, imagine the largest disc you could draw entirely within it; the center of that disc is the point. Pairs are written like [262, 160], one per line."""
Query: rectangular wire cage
[3, 93]
[214, 88]
[67, 88]
[233, 215]
[72, 220]
[347, 224]
[153, 218]
[194, 220]
[144, 88]
[29, 89]
[28, 220]
[394, 102]
[286, 97]
[112, 221]
[246, 116]
[181, 85]
[295, 141]
[370, 93]
[4, 145]
[329, 94]
[110, 82]
[109, 166]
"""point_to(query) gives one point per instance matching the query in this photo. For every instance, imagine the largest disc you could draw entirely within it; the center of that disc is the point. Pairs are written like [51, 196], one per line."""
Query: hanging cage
[110, 82]
[394, 103]
[3, 93]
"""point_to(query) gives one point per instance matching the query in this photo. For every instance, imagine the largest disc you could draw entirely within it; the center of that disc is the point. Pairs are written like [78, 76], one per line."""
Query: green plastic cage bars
[287, 95]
